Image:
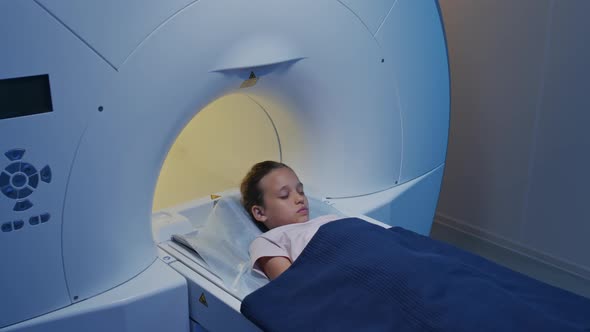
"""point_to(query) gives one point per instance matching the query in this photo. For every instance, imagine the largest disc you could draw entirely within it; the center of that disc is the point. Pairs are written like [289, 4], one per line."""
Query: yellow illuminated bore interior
[215, 150]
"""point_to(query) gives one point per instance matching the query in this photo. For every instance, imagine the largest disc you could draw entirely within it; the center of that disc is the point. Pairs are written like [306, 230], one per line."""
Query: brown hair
[250, 188]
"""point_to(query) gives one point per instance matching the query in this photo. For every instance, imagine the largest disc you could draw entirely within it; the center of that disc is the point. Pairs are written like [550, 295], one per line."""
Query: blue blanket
[355, 276]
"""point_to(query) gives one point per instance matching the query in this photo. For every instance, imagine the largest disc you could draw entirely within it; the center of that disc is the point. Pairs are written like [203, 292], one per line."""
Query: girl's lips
[302, 210]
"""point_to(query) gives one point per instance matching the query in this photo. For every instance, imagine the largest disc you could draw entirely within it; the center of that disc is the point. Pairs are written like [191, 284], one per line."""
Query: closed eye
[300, 189]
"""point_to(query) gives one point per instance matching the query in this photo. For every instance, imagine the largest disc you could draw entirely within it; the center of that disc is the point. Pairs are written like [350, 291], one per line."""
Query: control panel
[18, 182]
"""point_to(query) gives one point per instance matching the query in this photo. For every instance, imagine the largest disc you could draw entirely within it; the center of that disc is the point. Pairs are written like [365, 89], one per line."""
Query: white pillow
[223, 242]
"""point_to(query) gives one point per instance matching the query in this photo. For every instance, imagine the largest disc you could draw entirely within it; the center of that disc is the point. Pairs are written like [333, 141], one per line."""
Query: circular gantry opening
[215, 150]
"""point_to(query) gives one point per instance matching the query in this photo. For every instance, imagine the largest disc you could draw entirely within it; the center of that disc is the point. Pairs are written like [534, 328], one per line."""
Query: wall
[517, 163]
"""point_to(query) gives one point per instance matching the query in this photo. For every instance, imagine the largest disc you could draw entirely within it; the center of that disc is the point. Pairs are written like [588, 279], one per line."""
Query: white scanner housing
[96, 93]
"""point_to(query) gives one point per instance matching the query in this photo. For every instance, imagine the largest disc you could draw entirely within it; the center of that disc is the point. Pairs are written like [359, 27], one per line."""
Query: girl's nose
[298, 198]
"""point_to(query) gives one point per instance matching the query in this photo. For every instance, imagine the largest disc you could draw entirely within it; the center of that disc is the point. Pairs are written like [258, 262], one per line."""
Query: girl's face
[284, 201]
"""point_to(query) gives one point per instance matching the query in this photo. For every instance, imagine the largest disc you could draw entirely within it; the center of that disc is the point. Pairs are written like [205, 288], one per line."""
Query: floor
[515, 261]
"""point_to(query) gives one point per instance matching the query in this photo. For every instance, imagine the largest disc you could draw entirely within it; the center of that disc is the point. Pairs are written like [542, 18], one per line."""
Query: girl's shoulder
[315, 222]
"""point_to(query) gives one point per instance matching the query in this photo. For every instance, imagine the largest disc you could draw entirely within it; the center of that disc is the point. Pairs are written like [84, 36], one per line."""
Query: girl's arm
[274, 266]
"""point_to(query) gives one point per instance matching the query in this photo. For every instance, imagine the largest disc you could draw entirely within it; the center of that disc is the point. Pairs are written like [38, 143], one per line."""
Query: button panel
[19, 180]
[20, 223]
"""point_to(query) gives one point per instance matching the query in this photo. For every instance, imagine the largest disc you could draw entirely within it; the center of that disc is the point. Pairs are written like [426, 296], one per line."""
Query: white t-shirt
[286, 241]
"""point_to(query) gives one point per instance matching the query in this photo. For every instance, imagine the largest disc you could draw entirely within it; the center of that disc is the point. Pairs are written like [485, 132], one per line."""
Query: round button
[6, 227]
[34, 180]
[34, 220]
[18, 224]
[4, 179]
[22, 205]
[45, 217]
[10, 192]
[15, 154]
[13, 168]
[19, 180]
[46, 174]
[28, 169]
[24, 192]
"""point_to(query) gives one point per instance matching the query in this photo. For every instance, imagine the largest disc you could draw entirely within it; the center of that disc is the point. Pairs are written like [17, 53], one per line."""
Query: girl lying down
[330, 274]
[274, 197]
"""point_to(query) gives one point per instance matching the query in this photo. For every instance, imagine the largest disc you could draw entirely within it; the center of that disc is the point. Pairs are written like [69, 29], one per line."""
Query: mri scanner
[353, 94]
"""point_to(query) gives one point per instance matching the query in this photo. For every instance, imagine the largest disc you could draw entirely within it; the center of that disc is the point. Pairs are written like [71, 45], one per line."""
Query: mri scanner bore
[104, 128]
[127, 124]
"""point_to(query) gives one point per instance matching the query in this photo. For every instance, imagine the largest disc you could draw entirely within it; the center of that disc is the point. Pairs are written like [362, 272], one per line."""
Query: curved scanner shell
[364, 84]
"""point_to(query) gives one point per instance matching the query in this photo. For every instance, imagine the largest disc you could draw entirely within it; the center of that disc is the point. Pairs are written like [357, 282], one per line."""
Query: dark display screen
[24, 96]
